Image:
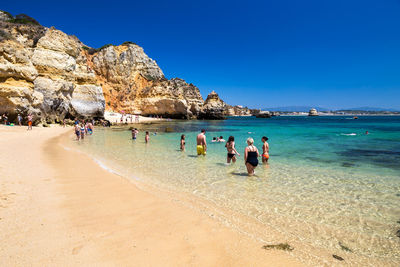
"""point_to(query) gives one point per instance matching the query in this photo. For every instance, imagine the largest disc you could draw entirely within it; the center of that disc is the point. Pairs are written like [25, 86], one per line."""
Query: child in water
[147, 137]
[265, 148]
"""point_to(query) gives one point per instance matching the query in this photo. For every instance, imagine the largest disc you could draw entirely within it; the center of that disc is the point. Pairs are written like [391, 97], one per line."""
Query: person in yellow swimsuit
[201, 143]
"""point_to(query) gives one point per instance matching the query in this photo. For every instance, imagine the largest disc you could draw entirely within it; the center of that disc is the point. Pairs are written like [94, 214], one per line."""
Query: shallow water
[327, 182]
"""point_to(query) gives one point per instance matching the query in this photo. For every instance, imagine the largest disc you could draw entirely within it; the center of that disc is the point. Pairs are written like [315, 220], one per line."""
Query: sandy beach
[115, 118]
[58, 207]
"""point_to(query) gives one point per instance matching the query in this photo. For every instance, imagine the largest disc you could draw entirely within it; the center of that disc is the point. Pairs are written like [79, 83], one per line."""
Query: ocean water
[328, 186]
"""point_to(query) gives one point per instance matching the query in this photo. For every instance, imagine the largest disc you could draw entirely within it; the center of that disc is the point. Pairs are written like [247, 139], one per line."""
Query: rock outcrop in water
[237, 111]
[313, 112]
[53, 75]
[213, 108]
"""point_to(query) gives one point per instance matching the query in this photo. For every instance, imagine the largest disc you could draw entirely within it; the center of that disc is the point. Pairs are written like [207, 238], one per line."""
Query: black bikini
[230, 155]
[252, 158]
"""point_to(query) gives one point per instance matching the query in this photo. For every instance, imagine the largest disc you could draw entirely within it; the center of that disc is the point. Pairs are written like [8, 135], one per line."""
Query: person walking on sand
[230, 146]
[265, 148]
[201, 143]
[251, 156]
[30, 118]
[19, 118]
[183, 143]
[77, 130]
[134, 133]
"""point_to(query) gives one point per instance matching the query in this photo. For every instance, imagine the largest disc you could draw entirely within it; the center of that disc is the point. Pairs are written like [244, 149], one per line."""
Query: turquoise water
[326, 183]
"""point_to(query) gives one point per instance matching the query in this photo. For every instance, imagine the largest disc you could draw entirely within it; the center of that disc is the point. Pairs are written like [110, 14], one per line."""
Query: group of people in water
[251, 153]
[83, 128]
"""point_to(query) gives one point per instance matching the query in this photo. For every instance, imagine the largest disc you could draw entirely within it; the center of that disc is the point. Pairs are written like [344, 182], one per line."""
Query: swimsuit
[200, 150]
[266, 156]
[252, 158]
[230, 155]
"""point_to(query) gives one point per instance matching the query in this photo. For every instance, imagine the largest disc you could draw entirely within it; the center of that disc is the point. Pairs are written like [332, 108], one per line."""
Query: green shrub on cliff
[10, 17]
[104, 46]
[128, 43]
[24, 19]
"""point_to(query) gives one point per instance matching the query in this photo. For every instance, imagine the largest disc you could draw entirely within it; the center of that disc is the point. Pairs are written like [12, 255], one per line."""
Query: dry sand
[59, 208]
[115, 118]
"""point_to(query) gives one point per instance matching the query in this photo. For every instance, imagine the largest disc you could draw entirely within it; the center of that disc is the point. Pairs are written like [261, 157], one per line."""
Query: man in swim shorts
[201, 143]
[265, 148]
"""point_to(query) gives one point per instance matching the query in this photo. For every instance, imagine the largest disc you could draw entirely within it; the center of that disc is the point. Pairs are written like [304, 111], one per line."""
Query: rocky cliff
[213, 108]
[44, 71]
[132, 82]
[53, 75]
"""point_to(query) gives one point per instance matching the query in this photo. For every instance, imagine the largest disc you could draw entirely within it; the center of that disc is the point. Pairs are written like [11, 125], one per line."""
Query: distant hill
[295, 109]
[307, 108]
[371, 109]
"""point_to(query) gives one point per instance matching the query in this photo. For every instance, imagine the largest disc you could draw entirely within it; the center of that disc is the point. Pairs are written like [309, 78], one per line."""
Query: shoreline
[68, 210]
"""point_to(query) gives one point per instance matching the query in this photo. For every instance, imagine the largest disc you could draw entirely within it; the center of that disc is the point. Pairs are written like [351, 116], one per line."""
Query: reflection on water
[319, 188]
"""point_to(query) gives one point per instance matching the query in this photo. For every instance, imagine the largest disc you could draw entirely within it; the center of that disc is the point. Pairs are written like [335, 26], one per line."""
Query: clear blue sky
[257, 53]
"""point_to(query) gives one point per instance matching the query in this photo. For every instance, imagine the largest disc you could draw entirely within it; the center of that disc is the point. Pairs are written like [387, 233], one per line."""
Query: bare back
[201, 139]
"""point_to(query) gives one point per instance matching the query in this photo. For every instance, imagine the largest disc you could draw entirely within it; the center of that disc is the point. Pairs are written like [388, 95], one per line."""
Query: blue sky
[331, 54]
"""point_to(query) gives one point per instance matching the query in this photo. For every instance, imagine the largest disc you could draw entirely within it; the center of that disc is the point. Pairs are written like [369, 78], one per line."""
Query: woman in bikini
[251, 156]
[230, 146]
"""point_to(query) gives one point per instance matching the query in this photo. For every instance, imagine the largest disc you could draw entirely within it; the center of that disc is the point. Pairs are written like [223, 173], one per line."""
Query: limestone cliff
[237, 111]
[132, 82]
[213, 108]
[53, 75]
[44, 71]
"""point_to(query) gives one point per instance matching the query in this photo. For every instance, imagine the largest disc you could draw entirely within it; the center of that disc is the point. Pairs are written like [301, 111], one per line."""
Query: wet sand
[58, 207]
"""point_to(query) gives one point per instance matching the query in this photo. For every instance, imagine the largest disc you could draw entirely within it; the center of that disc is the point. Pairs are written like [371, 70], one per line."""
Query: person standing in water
[230, 146]
[265, 148]
[77, 130]
[134, 133]
[90, 128]
[82, 131]
[183, 143]
[201, 143]
[147, 137]
[251, 156]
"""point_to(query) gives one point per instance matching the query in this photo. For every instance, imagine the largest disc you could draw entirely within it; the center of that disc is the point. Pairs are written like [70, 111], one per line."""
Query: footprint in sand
[77, 249]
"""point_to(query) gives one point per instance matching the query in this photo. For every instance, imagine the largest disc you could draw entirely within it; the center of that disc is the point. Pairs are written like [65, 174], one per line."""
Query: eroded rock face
[213, 108]
[237, 111]
[53, 75]
[133, 83]
[45, 72]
